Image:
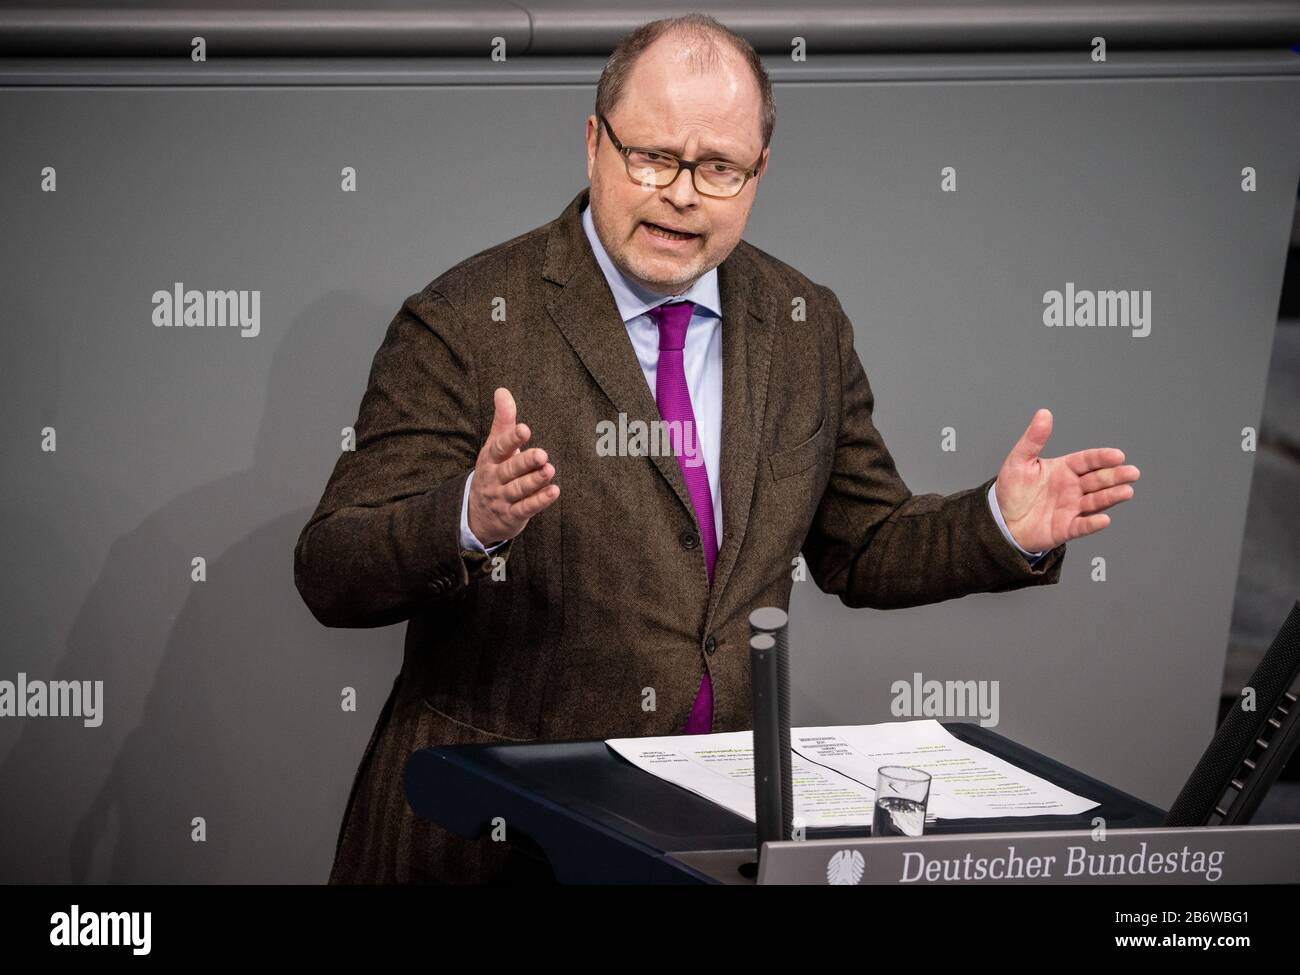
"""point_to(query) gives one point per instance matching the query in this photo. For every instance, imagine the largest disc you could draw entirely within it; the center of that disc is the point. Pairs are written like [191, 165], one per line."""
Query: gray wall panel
[296, 28]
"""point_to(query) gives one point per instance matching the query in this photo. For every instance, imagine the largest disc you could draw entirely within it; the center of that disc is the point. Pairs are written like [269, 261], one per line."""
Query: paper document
[834, 772]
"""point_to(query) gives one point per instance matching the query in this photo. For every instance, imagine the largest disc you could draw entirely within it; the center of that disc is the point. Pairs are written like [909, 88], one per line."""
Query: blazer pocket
[786, 463]
[481, 732]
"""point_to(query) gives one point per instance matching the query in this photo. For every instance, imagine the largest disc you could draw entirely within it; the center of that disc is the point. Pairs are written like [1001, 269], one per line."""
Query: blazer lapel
[585, 313]
[747, 319]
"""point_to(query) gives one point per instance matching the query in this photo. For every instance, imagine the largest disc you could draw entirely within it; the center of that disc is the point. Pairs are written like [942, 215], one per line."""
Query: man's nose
[682, 192]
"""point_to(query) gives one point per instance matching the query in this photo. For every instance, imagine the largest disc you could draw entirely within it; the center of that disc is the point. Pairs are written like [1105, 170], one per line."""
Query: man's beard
[641, 268]
[631, 262]
[627, 259]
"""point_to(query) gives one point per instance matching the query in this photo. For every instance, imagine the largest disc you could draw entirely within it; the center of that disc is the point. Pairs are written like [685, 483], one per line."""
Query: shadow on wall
[222, 698]
[1268, 582]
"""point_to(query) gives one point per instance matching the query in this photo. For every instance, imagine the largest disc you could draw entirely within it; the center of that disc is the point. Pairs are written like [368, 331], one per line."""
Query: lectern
[597, 818]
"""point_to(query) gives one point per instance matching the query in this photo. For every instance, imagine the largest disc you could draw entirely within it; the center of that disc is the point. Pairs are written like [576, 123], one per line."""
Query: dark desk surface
[599, 818]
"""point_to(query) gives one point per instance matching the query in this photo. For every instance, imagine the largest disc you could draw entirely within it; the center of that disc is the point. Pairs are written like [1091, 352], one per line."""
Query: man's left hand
[1049, 500]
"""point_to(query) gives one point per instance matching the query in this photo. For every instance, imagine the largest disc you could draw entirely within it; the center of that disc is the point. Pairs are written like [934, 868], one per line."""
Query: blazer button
[438, 585]
[710, 645]
[688, 538]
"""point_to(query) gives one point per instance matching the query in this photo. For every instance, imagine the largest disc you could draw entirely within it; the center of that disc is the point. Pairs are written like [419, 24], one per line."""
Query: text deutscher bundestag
[1079, 863]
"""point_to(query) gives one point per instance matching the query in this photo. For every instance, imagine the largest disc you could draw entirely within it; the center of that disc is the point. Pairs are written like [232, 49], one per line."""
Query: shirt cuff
[467, 537]
[1002, 525]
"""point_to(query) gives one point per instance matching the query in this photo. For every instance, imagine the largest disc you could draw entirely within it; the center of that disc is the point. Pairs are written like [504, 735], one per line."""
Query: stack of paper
[834, 772]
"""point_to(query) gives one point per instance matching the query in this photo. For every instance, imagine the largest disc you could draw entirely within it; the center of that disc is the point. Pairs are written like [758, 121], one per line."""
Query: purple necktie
[674, 400]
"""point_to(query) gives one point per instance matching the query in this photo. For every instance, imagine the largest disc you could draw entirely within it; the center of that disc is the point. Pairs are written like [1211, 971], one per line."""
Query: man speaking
[562, 574]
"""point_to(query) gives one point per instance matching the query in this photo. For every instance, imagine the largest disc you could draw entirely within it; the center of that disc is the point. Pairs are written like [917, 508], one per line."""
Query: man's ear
[591, 153]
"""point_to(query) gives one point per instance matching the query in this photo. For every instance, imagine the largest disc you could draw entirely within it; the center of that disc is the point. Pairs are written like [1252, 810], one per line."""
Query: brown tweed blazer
[605, 592]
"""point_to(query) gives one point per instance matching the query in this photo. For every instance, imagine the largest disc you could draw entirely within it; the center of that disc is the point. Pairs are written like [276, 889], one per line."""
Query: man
[619, 606]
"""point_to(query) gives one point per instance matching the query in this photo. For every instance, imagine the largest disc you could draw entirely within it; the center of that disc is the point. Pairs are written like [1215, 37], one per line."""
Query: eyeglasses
[652, 168]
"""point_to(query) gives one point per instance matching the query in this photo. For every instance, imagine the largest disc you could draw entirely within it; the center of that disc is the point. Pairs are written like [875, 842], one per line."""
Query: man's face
[668, 106]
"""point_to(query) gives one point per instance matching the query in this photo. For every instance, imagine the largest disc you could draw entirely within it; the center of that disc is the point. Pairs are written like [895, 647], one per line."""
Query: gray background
[222, 698]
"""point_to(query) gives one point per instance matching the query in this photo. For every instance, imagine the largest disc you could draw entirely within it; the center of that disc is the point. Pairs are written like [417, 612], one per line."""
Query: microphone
[769, 656]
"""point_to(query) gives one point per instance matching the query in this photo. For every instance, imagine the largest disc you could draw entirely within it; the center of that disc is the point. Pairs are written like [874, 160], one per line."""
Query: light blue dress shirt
[702, 362]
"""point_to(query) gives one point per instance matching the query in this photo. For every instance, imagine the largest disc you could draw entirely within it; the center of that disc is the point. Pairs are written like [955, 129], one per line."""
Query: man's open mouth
[667, 233]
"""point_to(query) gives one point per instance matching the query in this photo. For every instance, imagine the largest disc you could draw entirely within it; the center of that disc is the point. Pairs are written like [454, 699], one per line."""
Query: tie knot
[672, 318]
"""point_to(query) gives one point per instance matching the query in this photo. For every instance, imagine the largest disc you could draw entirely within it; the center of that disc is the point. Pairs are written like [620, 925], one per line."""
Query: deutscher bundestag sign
[1206, 855]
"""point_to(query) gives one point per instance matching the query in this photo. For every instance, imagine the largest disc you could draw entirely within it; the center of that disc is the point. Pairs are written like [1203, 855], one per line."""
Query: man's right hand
[509, 486]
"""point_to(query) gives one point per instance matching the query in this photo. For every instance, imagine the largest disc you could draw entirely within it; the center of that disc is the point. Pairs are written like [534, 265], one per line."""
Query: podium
[597, 818]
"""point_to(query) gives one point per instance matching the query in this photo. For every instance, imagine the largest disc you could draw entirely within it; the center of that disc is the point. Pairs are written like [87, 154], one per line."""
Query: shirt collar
[634, 300]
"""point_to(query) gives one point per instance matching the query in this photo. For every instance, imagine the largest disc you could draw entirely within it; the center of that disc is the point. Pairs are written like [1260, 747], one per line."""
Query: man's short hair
[701, 28]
